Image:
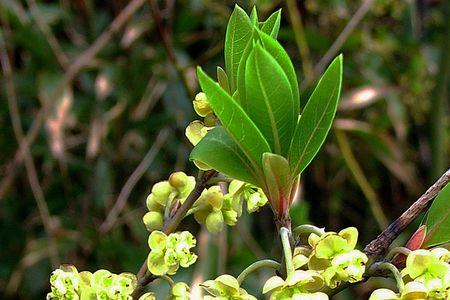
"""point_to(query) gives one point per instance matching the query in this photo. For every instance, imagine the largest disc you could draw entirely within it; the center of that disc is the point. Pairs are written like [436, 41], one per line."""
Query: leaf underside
[219, 151]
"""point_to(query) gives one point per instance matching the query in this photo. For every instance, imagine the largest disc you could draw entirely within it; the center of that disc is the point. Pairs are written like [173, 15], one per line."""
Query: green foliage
[438, 219]
[266, 117]
[218, 149]
[316, 118]
[239, 32]
[268, 99]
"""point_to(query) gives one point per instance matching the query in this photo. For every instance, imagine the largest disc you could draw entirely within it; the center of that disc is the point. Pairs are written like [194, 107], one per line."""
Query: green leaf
[269, 100]
[222, 78]
[316, 119]
[438, 219]
[254, 16]
[237, 123]
[280, 55]
[239, 31]
[278, 179]
[240, 86]
[219, 151]
[272, 25]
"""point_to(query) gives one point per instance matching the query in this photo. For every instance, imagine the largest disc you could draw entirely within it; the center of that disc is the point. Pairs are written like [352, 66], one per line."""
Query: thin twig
[143, 276]
[132, 180]
[343, 36]
[361, 179]
[83, 60]
[166, 38]
[379, 245]
[29, 163]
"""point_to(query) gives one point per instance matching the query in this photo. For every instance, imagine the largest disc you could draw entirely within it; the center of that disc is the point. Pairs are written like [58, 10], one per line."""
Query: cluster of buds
[164, 196]
[225, 287]
[329, 260]
[214, 209]
[67, 283]
[427, 276]
[169, 252]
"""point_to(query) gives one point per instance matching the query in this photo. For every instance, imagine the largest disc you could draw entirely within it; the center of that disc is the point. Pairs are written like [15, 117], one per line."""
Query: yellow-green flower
[413, 291]
[225, 287]
[65, 283]
[170, 252]
[179, 291]
[299, 285]
[214, 209]
[252, 195]
[335, 258]
[431, 269]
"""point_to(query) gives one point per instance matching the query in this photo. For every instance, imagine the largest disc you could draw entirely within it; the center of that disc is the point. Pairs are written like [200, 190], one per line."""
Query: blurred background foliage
[95, 97]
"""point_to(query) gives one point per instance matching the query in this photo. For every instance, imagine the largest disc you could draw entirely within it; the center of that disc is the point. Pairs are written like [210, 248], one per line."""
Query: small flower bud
[201, 105]
[153, 220]
[152, 204]
[214, 221]
[178, 180]
[161, 191]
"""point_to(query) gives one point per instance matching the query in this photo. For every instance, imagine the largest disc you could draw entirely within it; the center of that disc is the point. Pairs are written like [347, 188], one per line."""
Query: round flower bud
[201, 105]
[178, 180]
[161, 191]
[153, 220]
[152, 204]
[214, 221]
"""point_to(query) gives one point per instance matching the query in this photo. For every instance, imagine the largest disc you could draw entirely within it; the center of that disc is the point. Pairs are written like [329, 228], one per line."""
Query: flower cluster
[329, 260]
[214, 209]
[164, 195]
[427, 276]
[334, 256]
[67, 283]
[225, 287]
[169, 252]
[252, 195]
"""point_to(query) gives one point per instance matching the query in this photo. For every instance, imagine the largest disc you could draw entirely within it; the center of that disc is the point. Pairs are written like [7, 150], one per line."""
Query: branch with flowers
[252, 144]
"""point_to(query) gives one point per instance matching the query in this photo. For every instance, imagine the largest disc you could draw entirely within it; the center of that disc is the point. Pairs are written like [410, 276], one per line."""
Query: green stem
[395, 272]
[265, 263]
[284, 233]
[397, 250]
[168, 280]
[307, 229]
